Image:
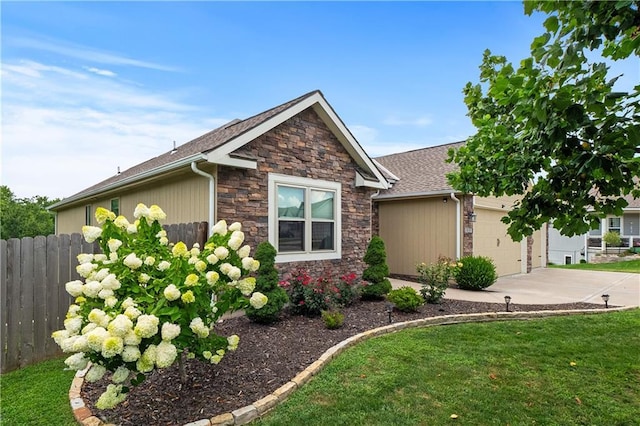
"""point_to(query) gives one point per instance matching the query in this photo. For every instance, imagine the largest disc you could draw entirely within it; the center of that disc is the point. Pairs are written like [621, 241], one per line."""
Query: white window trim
[276, 179]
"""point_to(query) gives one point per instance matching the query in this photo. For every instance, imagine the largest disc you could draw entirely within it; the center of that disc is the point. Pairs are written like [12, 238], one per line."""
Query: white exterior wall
[561, 246]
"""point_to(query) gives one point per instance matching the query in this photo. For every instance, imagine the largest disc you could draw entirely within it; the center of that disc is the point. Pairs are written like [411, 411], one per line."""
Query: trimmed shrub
[267, 284]
[376, 283]
[333, 319]
[405, 299]
[476, 273]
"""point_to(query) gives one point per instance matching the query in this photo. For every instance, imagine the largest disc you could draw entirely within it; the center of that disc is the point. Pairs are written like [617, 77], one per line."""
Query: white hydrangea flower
[220, 228]
[163, 265]
[111, 397]
[95, 373]
[156, 213]
[113, 256]
[258, 300]
[76, 361]
[212, 259]
[147, 361]
[121, 222]
[164, 241]
[67, 344]
[234, 273]
[120, 375]
[171, 292]
[233, 342]
[235, 226]
[198, 327]
[195, 251]
[73, 311]
[244, 251]
[100, 257]
[102, 215]
[200, 266]
[131, 338]
[112, 346]
[225, 268]
[101, 274]
[85, 269]
[132, 312]
[236, 240]
[110, 302]
[114, 244]
[91, 233]
[146, 326]
[84, 258]
[96, 337]
[141, 211]
[73, 325]
[212, 277]
[99, 317]
[132, 261]
[166, 354]
[221, 252]
[247, 285]
[91, 288]
[161, 234]
[105, 293]
[128, 302]
[130, 353]
[180, 250]
[59, 336]
[144, 278]
[170, 331]
[193, 260]
[110, 282]
[132, 228]
[120, 325]
[74, 288]
[247, 263]
[87, 328]
[149, 260]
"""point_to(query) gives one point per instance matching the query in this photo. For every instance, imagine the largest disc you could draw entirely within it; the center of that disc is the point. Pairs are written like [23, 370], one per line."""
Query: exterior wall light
[472, 216]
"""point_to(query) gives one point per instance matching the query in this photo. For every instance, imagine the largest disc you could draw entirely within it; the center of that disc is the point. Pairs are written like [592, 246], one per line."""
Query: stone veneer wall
[302, 146]
[467, 225]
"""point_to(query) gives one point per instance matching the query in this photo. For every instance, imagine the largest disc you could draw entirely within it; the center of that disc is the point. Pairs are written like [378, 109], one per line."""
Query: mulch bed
[267, 358]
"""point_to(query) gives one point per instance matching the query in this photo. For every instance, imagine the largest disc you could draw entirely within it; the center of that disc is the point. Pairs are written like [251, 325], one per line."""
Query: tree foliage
[24, 217]
[553, 129]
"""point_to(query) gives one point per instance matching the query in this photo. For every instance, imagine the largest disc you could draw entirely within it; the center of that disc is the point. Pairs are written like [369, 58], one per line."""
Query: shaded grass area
[632, 266]
[565, 370]
[37, 395]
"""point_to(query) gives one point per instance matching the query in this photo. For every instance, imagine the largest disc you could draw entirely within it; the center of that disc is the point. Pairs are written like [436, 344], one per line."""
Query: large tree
[24, 217]
[554, 129]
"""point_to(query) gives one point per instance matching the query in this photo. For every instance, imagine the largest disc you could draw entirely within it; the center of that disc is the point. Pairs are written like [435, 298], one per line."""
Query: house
[421, 217]
[567, 250]
[293, 175]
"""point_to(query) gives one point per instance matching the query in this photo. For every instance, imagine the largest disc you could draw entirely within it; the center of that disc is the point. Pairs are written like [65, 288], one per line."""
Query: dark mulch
[267, 358]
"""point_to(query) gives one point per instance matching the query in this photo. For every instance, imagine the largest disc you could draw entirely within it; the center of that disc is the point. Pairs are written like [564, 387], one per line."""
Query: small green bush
[267, 284]
[476, 273]
[405, 299]
[376, 283]
[333, 319]
[435, 278]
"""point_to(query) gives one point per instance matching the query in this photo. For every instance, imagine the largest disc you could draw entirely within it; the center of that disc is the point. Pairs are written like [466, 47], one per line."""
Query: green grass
[515, 372]
[632, 266]
[37, 395]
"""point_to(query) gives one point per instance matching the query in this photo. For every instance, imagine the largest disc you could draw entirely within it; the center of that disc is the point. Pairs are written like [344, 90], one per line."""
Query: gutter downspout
[212, 195]
[458, 225]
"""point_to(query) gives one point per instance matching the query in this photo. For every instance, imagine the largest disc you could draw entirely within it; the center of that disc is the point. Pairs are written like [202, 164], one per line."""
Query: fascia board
[414, 195]
[226, 160]
[361, 181]
[131, 179]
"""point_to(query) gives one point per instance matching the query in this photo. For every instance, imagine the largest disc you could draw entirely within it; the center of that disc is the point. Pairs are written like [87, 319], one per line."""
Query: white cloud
[105, 73]
[415, 122]
[64, 130]
[84, 53]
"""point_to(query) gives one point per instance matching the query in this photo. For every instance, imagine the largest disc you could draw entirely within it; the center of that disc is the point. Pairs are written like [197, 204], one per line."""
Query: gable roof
[218, 145]
[420, 172]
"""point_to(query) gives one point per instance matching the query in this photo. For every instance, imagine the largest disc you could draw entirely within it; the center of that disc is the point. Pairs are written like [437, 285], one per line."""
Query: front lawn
[37, 395]
[565, 370]
[632, 266]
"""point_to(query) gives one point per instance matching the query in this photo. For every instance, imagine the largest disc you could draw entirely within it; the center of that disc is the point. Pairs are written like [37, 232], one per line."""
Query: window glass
[87, 215]
[115, 206]
[290, 202]
[322, 236]
[290, 235]
[322, 204]
[614, 224]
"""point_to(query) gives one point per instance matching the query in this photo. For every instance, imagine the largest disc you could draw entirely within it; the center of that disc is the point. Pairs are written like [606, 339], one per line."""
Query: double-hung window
[304, 218]
[614, 225]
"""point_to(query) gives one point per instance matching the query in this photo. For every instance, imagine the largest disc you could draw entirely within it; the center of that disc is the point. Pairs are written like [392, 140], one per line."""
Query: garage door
[417, 231]
[490, 239]
[536, 250]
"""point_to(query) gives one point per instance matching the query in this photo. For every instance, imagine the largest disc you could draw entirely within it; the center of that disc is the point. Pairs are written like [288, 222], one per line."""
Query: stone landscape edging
[246, 414]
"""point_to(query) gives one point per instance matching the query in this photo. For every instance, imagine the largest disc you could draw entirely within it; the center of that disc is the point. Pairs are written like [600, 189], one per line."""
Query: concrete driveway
[551, 285]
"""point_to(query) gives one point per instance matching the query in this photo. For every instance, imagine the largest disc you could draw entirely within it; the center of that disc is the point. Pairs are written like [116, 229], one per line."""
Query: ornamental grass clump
[475, 273]
[333, 319]
[143, 304]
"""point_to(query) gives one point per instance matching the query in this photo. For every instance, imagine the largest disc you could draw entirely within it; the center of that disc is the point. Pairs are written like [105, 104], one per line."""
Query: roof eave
[129, 180]
[400, 196]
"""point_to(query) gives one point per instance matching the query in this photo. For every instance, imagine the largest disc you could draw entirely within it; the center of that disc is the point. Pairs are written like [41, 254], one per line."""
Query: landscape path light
[389, 308]
[605, 297]
[507, 300]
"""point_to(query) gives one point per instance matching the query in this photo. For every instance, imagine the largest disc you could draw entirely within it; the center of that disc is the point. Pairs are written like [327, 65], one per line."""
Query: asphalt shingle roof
[420, 171]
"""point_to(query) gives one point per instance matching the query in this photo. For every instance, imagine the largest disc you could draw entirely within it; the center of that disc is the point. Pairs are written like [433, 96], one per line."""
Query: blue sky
[88, 87]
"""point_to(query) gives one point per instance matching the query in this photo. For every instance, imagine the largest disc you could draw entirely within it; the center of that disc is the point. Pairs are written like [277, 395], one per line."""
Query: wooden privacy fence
[34, 303]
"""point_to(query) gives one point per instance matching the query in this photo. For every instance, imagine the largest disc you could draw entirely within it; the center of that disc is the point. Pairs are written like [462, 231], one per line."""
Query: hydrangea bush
[144, 304]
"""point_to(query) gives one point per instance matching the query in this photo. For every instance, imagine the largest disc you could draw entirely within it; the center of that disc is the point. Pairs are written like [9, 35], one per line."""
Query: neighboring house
[565, 250]
[293, 175]
[421, 217]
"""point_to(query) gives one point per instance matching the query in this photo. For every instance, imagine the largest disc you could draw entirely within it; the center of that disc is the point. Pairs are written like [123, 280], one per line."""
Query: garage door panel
[490, 239]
